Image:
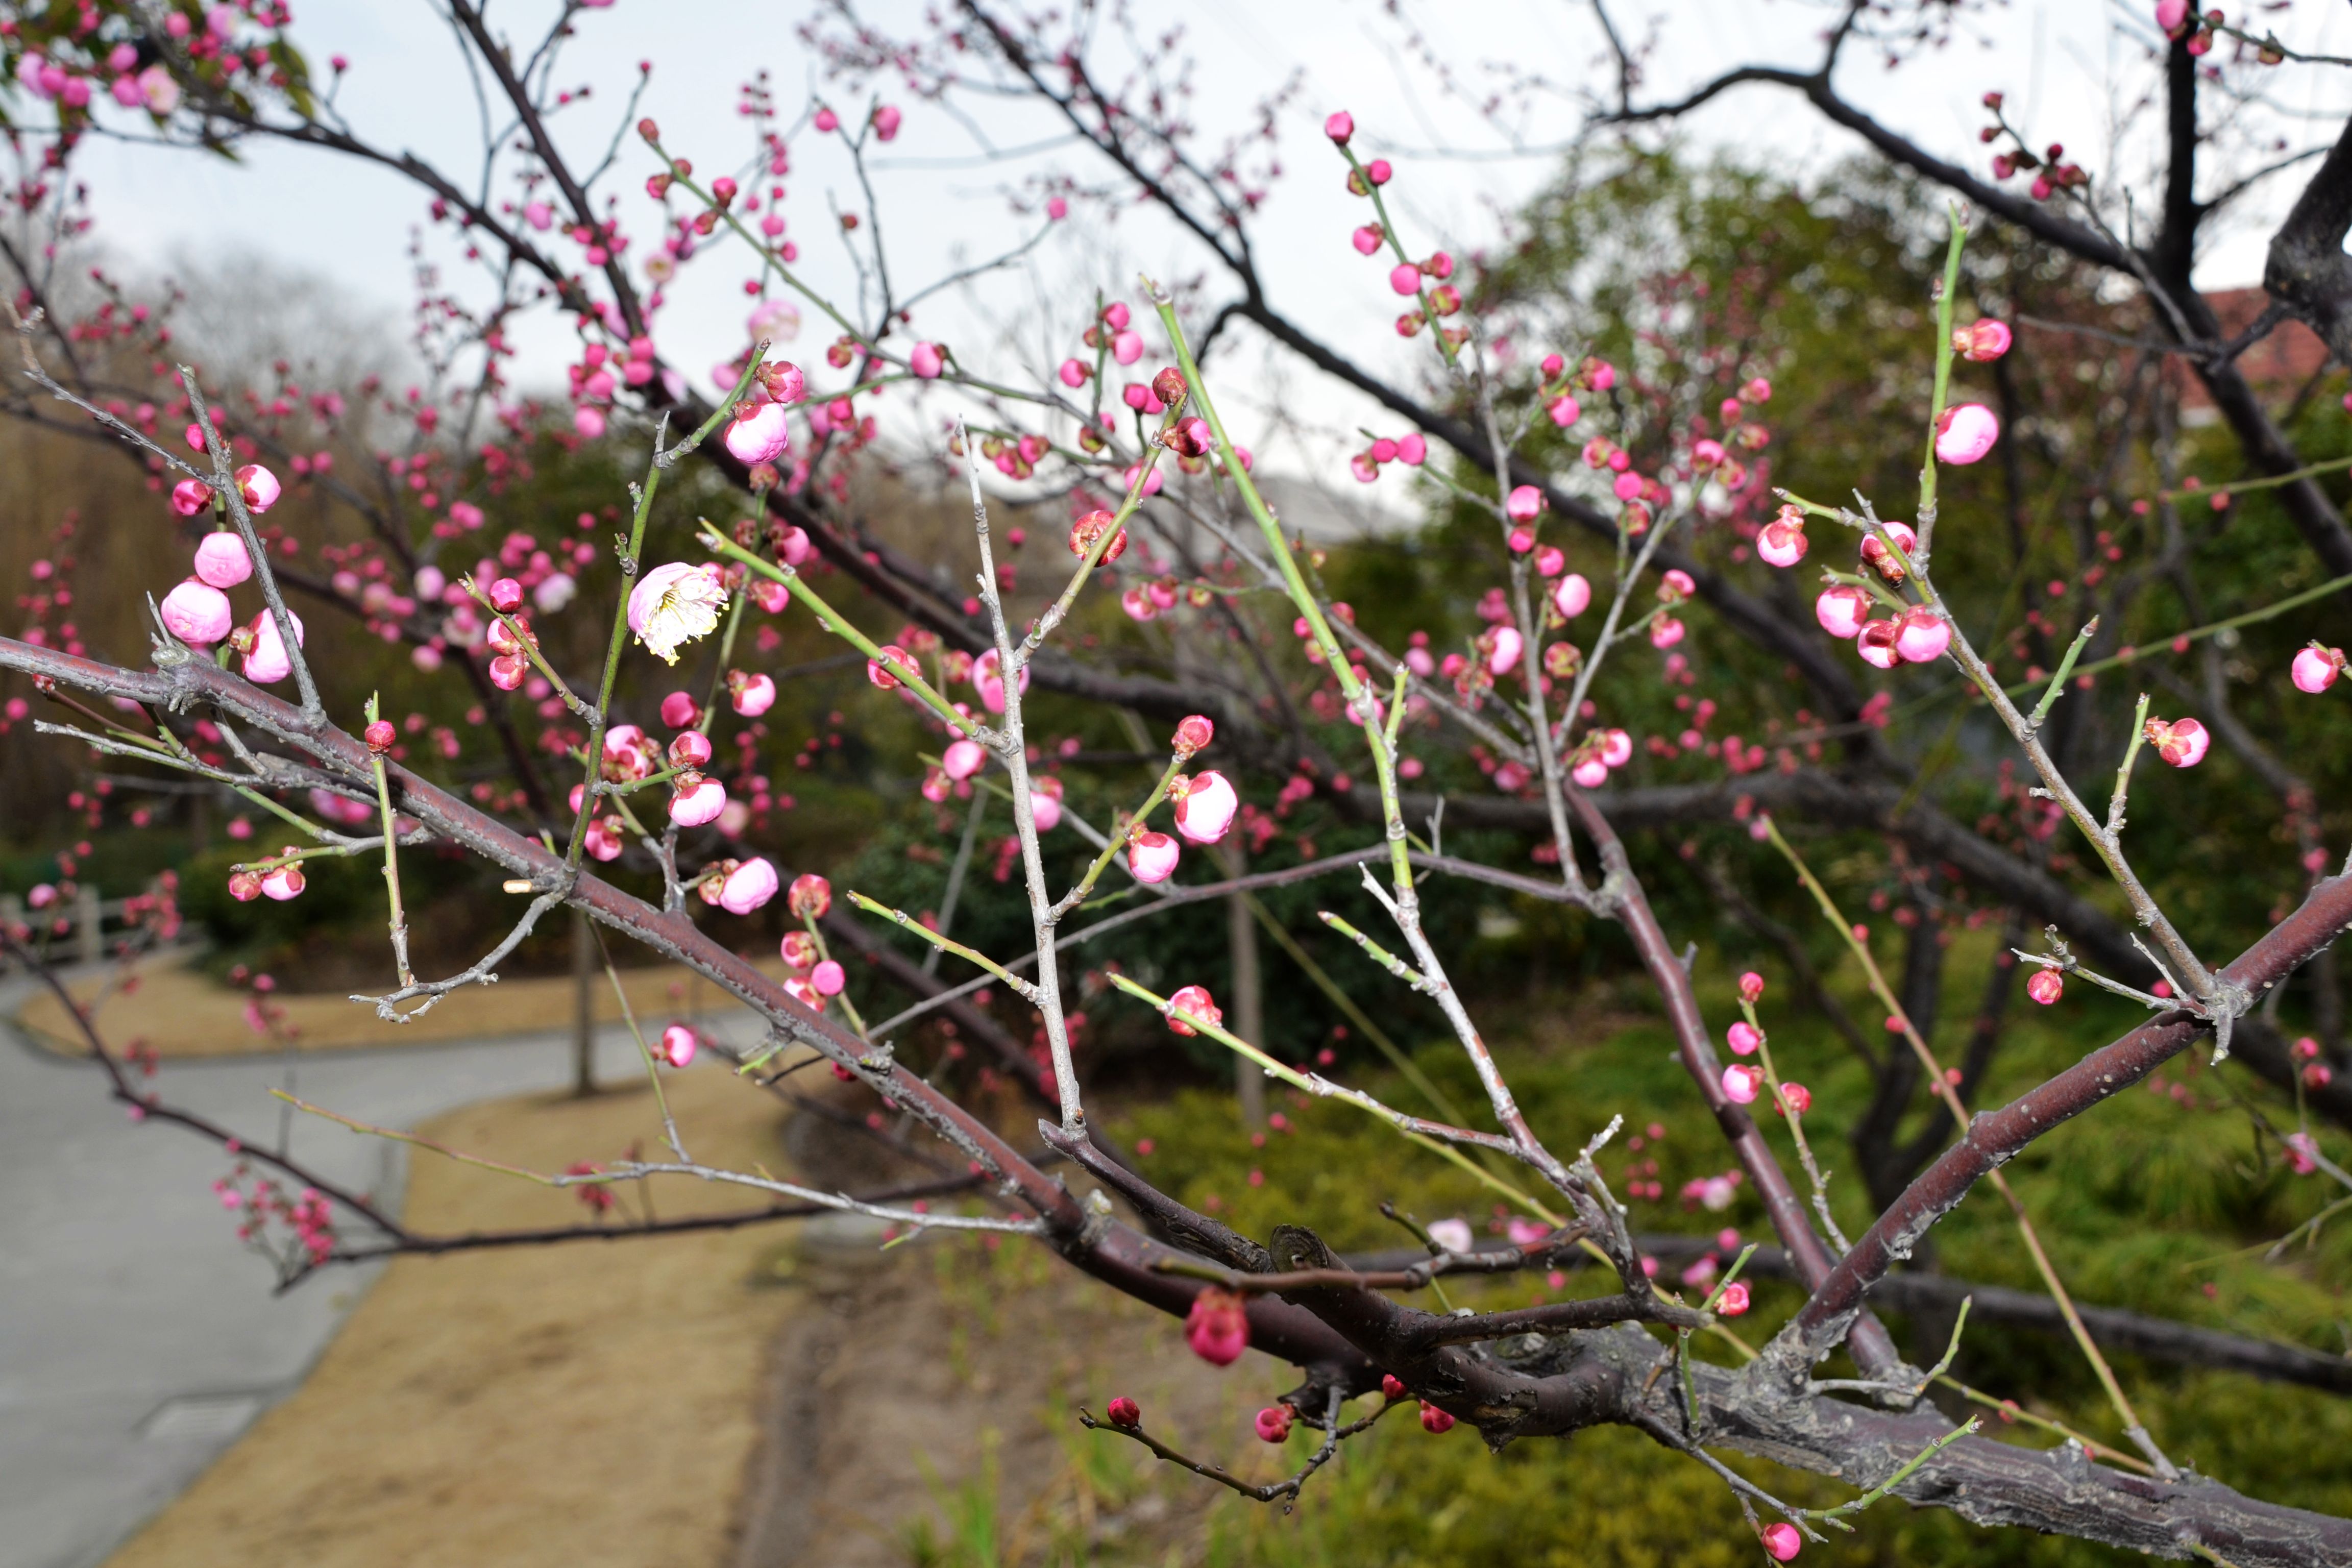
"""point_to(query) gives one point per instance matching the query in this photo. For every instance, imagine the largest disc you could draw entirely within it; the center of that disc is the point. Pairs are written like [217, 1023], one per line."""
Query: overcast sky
[2064, 65]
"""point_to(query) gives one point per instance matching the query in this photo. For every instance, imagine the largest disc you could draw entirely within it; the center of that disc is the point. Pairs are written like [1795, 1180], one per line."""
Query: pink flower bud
[197, 612]
[678, 1044]
[2171, 14]
[697, 800]
[1752, 987]
[1045, 804]
[691, 749]
[222, 562]
[380, 736]
[879, 674]
[1217, 1327]
[1884, 560]
[1734, 1300]
[1273, 1424]
[1074, 372]
[759, 437]
[1205, 813]
[1740, 1083]
[810, 898]
[267, 662]
[1922, 636]
[1089, 528]
[284, 883]
[1590, 773]
[1340, 127]
[829, 977]
[1841, 609]
[798, 949]
[1404, 277]
[190, 497]
[1378, 171]
[752, 695]
[1152, 857]
[1565, 410]
[1126, 348]
[1572, 595]
[1782, 541]
[258, 486]
[244, 887]
[1524, 504]
[1981, 340]
[505, 594]
[1782, 1542]
[1367, 239]
[1876, 643]
[2182, 742]
[964, 757]
[1743, 1039]
[1193, 733]
[2045, 986]
[1966, 433]
[1195, 1000]
[1797, 1098]
[1665, 631]
[925, 361]
[1616, 748]
[2316, 668]
[1125, 1411]
[678, 710]
[1435, 1421]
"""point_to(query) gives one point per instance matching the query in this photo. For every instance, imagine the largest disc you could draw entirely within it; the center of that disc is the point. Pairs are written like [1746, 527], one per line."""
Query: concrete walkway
[138, 1338]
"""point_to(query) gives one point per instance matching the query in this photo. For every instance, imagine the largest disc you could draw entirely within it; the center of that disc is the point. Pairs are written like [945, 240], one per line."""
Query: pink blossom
[1590, 773]
[1981, 340]
[748, 886]
[1841, 609]
[1152, 856]
[285, 882]
[759, 437]
[886, 121]
[1339, 127]
[1205, 814]
[2045, 986]
[258, 486]
[2182, 742]
[829, 977]
[1564, 410]
[1412, 448]
[1217, 1327]
[1743, 1039]
[1734, 1301]
[1665, 631]
[1454, 1234]
[1524, 504]
[1876, 643]
[1404, 277]
[2171, 14]
[925, 361]
[1045, 804]
[1074, 372]
[1273, 1424]
[1504, 647]
[1367, 239]
[964, 757]
[679, 710]
[1127, 347]
[752, 695]
[678, 1044]
[1922, 636]
[2316, 668]
[1740, 1083]
[1572, 595]
[267, 662]
[190, 497]
[1195, 1002]
[1782, 541]
[1966, 433]
[1616, 748]
[697, 800]
[826, 120]
[1782, 1542]
[197, 612]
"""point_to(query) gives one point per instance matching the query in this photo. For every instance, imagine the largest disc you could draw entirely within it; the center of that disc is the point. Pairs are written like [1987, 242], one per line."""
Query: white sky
[2063, 63]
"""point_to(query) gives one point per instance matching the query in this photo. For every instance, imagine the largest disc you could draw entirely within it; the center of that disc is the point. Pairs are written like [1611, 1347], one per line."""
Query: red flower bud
[1125, 1411]
[380, 736]
[1194, 734]
[506, 595]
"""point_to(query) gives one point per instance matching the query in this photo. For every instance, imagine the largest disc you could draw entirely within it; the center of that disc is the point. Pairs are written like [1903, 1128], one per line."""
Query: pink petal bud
[197, 612]
[2316, 669]
[964, 758]
[1740, 1083]
[1572, 595]
[1841, 609]
[699, 803]
[1152, 857]
[1340, 127]
[759, 437]
[258, 486]
[1922, 636]
[190, 497]
[678, 1044]
[1965, 434]
[1525, 504]
[925, 361]
[1743, 1039]
[1404, 277]
[2045, 986]
[1782, 1542]
[1207, 812]
[752, 695]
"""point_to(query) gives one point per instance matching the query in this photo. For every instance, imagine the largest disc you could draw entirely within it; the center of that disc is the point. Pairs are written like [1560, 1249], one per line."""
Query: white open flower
[676, 603]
